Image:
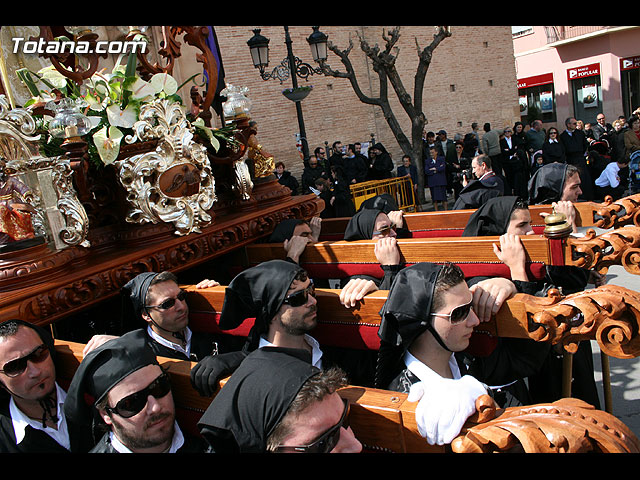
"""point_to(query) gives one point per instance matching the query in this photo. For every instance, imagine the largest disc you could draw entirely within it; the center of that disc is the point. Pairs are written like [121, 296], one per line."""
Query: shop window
[538, 102]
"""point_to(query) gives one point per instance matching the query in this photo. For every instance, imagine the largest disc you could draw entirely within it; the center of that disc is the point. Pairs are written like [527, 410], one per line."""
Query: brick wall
[469, 60]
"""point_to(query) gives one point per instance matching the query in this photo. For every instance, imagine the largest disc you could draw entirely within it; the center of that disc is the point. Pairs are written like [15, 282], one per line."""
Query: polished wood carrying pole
[608, 214]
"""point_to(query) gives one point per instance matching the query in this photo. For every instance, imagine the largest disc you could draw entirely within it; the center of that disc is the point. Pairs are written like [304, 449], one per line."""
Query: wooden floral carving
[622, 212]
[617, 247]
[568, 425]
[609, 314]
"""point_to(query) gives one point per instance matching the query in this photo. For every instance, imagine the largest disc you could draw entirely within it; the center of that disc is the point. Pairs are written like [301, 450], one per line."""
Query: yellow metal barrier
[400, 188]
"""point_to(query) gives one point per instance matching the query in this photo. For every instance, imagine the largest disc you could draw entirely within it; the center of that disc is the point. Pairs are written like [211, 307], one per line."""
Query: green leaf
[132, 61]
[25, 76]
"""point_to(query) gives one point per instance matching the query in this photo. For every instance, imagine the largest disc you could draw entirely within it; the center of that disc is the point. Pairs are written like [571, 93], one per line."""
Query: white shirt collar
[176, 442]
[316, 353]
[170, 344]
[424, 373]
[21, 421]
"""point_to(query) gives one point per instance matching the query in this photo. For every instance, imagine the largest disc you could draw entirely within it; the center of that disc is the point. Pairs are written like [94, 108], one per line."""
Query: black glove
[206, 375]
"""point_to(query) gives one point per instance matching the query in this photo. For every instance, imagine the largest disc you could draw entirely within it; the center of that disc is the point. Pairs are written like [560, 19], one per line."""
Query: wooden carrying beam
[451, 223]
[608, 314]
[474, 255]
[384, 421]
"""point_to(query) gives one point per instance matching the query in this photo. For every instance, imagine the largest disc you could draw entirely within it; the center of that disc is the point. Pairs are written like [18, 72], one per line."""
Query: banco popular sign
[584, 71]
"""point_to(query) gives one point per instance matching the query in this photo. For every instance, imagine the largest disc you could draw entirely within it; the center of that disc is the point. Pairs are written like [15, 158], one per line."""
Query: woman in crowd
[552, 149]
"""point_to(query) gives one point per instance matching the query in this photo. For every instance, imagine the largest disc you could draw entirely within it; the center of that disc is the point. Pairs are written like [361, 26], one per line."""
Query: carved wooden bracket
[619, 213]
[608, 314]
[599, 252]
[568, 425]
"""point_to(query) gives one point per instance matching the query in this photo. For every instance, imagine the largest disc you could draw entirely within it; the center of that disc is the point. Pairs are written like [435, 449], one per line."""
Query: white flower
[163, 82]
[141, 89]
[55, 78]
[107, 142]
[122, 118]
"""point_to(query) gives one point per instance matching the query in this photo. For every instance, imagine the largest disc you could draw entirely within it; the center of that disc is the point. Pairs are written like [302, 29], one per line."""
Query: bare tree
[383, 61]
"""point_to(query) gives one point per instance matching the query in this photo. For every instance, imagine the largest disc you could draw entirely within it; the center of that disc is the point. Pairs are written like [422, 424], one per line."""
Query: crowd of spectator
[604, 153]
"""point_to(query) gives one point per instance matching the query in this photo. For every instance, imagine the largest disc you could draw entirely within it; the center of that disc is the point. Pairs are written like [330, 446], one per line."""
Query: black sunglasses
[301, 297]
[170, 302]
[132, 404]
[16, 367]
[325, 442]
[458, 314]
[384, 231]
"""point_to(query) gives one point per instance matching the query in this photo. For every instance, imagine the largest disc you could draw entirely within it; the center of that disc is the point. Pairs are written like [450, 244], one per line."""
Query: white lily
[54, 77]
[122, 118]
[199, 122]
[95, 103]
[141, 89]
[107, 142]
[163, 82]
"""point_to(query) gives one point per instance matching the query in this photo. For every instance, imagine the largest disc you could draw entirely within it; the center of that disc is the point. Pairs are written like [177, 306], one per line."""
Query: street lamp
[318, 43]
[289, 67]
[259, 48]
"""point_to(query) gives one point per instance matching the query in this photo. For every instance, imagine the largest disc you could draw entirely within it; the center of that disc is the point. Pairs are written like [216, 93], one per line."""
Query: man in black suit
[486, 185]
[31, 416]
[575, 145]
[601, 127]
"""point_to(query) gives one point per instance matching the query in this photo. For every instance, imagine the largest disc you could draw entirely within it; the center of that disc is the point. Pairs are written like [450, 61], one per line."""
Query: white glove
[444, 406]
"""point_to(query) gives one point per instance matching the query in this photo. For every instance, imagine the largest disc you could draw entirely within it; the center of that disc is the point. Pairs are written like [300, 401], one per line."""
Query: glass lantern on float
[69, 123]
[133, 30]
[237, 105]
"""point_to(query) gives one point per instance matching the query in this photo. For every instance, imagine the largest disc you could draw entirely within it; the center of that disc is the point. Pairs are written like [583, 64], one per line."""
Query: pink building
[577, 71]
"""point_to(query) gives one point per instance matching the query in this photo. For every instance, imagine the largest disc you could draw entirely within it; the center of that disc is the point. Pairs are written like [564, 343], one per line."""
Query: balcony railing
[559, 33]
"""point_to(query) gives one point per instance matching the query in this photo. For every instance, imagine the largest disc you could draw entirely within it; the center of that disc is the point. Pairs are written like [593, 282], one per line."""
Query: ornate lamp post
[290, 67]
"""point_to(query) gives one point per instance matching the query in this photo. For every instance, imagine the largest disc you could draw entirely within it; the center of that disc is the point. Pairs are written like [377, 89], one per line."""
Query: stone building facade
[472, 78]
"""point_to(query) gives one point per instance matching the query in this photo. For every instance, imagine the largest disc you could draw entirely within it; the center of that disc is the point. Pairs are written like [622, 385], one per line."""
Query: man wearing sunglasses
[276, 401]
[317, 420]
[426, 322]
[122, 382]
[157, 300]
[281, 297]
[31, 416]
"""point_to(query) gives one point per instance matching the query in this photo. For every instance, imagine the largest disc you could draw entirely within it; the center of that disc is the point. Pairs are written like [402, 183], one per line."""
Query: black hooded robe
[254, 400]
[478, 192]
[512, 359]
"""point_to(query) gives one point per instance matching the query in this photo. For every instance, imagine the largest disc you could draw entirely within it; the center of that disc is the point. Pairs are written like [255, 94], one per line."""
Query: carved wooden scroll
[616, 247]
[608, 314]
[568, 425]
[384, 421]
[616, 214]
